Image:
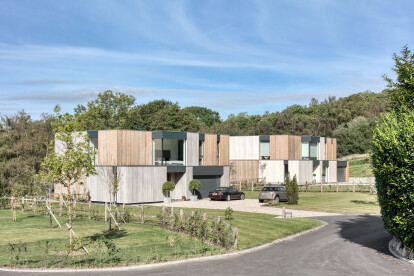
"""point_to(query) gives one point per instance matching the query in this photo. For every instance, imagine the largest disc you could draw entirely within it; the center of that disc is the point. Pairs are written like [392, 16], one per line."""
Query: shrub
[168, 186]
[228, 213]
[292, 190]
[194, 184]
[393, 164]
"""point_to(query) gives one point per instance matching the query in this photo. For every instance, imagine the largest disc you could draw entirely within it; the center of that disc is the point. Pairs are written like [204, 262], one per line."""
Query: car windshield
[267, 189]
[222, 189]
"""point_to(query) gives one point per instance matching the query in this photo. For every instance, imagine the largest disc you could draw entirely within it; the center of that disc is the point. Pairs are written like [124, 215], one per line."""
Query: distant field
[359, 165]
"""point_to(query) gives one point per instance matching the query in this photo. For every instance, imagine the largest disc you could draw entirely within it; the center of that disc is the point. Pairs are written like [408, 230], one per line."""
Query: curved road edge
[158, 265]
[398, 255]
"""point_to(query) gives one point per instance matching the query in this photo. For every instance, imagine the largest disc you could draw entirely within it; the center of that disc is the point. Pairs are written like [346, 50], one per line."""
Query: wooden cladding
[124, 148]
[330, 149]
[285, 147]
[224, 150]
[347, 172]
[210, 150]
[244, 170]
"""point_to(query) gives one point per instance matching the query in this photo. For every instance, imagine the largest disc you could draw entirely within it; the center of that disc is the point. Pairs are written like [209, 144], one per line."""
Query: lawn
[30, 242]
[359, 165]
[343, 202]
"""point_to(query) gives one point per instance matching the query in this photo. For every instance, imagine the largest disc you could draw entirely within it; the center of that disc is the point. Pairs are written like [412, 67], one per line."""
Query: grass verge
[29, 242]
[342, 202]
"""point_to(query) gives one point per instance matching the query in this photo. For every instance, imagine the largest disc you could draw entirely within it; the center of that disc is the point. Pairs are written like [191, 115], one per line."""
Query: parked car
[226, 193]
[276, 193]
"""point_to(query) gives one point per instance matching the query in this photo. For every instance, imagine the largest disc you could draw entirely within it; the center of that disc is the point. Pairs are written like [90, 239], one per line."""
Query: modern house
[144, 160]
[270, 158]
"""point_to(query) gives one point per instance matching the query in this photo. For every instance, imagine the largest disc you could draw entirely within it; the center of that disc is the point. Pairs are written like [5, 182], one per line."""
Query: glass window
[157, 152]
[305, 151]
[264, 150]
[93, 144]
[201, 153]
[313, 150]
[173, 152]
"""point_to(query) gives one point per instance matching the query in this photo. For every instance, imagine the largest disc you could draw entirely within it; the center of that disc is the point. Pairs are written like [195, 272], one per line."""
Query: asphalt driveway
[349, 245]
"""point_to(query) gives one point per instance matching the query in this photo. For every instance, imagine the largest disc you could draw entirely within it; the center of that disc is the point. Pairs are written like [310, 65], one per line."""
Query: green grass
[342, 202]
[359, 165]
[37, 245]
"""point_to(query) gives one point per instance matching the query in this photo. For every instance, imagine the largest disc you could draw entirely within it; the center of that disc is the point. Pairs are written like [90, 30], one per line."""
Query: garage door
[209, 183]
[341, 174]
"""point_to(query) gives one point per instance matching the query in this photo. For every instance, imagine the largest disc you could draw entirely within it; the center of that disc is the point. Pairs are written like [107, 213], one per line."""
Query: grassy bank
[343, 202]
[359, 165]
[29, 242]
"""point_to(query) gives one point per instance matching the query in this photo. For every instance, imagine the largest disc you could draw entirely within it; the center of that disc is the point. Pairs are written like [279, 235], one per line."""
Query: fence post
[35, 205]
[46, 210]
[337, 187]
[142, 214]
[11, 203]
[172, 217]
[321, 187]
[192, 213]
[240, 185]
[162, 214]
[284, 212]
[90, 210]
[306, 186]
[22, 204]
[60, 205]
[218, 219]
[252, 185]
[236, 237]
[106, 212]
[353, 188]
[123, 210]
[181, 215]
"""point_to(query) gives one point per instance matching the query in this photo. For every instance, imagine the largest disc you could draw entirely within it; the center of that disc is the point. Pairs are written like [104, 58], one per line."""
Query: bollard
[284, 212]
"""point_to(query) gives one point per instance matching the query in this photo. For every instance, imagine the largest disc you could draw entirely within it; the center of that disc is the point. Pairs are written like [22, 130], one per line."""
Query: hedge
[393, 163]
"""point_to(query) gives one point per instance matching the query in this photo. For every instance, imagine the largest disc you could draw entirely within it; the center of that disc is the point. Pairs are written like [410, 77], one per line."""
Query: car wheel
[242, 197]
[228, 198]
[276, 199]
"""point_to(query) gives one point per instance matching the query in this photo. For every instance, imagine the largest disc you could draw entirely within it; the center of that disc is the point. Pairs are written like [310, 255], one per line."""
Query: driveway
[247, 205]
[349, 245]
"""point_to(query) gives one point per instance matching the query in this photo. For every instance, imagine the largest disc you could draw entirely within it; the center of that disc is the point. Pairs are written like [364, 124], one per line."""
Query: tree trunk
[70, 218]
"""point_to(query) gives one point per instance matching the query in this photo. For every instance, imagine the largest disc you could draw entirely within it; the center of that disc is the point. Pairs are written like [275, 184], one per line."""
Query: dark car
[226, 193]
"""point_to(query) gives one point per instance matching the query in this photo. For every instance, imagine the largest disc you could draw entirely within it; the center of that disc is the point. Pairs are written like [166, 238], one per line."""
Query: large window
[264, 150]
[93, 145]
[169, 152]
[309, 151]
[201, 153]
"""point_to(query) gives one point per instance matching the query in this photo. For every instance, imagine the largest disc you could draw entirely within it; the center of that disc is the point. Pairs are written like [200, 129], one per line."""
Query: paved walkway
[247, 205]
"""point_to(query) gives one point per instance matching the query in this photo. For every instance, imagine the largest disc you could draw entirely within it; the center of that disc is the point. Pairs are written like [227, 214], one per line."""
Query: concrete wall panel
[192, 149]
[273, 172]
[244, 148]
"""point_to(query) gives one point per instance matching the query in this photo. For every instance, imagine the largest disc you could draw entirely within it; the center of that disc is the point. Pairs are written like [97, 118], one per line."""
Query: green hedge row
[393, 162]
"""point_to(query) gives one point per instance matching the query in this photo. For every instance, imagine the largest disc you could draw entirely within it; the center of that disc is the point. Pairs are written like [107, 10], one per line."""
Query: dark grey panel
[175, 169]
[218, 137]
[340, 174]
[208, 184]
[201, 137]
[326, 163]
[286, 162]
[208, 170]
[310, 139]
[264, 138]
[316, 162]
[169, 135]
[93, 134]
[342, 164]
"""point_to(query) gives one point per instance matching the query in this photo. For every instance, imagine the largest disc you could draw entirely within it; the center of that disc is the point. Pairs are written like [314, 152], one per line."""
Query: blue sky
[230, 56]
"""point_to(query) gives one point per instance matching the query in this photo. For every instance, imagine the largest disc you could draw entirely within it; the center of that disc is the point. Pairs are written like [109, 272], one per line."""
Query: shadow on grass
[113, 234]
[367, 231]
[364, 202]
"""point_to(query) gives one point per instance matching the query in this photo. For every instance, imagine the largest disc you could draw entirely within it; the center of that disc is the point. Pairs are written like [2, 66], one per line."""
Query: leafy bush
[292, 190]
[393, 162]
[168, 186]
[194, 184]
[228, 213]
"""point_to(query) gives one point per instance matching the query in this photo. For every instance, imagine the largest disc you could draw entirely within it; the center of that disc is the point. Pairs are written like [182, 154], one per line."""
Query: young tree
[69, 159]
[111, 179]
[194, 184]
[292, 190]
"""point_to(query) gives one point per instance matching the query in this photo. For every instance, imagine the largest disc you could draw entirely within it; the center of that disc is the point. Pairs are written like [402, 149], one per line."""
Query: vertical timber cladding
[134, 148]
[330, 149]
[285, 147]
[210, 150]
[224, 150]
[245, 170]
[192, 150]
[108, 147]
[347, 172]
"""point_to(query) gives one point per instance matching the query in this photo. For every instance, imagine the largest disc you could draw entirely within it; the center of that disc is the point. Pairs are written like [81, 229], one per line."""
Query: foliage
[69, 160]
[107, 111]
[194, 184]
[204, 115]
[168, 186]
[292, 190]
[393, 162]
[401, 91]
[23, 145]
[228, 213]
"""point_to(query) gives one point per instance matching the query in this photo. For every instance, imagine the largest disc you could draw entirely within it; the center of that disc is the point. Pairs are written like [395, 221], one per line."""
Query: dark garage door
[208, 184]
[341, 174]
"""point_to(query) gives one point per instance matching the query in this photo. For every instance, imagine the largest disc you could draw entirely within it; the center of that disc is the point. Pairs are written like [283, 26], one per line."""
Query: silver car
[276, 193]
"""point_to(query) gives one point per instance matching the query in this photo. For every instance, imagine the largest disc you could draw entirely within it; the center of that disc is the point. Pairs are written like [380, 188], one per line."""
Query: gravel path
[247, 205]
